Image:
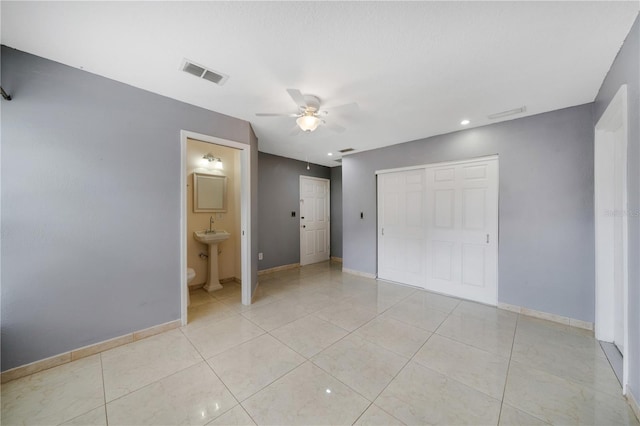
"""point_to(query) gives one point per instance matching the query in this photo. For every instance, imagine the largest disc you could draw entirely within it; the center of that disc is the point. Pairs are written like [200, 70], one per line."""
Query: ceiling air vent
[204, 73]
[346, 150]
[339, 160]
[507, 113]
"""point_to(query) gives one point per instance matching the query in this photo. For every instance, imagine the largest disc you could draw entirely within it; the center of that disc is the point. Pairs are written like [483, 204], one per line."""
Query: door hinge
[487, 238]
[382, 231]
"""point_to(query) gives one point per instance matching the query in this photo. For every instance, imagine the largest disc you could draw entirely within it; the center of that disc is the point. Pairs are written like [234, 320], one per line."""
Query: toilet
[191, 274]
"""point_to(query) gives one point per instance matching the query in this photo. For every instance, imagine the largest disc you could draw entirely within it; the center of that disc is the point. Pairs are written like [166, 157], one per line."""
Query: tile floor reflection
[319, 347]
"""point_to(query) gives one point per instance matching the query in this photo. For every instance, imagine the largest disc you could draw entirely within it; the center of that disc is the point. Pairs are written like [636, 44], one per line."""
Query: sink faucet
[211, 230]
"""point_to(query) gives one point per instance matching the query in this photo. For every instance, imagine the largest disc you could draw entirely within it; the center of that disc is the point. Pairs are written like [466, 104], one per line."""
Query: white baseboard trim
[633, 402]
[358, 273]
[278, 268]
[85, 351]
[547, 316]
[336, 259]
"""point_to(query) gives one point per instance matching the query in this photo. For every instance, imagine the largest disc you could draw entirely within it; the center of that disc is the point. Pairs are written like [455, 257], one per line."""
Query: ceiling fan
[309, 115]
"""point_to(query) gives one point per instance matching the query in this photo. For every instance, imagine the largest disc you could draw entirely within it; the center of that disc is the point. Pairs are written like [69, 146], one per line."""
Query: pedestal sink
[212, 239]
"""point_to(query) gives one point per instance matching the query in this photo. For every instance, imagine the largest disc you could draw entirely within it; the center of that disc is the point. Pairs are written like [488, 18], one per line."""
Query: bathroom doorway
[231, 160]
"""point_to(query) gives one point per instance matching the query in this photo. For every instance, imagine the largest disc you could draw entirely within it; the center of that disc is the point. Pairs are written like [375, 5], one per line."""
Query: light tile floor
[319, 347]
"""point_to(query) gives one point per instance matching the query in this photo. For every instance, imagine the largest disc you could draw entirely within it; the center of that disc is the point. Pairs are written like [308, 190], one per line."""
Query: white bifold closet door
[438, 228]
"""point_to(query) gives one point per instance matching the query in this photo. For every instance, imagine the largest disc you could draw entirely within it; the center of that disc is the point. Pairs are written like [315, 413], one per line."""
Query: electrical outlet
[260, 256]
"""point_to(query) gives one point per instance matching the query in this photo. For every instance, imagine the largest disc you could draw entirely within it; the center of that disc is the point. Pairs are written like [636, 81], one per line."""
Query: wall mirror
[209, 193]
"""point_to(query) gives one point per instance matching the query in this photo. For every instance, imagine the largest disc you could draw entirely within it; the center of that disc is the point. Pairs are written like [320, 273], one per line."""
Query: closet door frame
[494, 236]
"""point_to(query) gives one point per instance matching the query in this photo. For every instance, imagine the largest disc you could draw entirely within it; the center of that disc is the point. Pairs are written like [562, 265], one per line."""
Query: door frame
[245, 214]
[604, 164]
[495, 157]
[328, 181]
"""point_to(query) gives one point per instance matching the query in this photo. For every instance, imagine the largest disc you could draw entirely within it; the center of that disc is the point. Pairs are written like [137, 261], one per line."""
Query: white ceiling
[415, 68]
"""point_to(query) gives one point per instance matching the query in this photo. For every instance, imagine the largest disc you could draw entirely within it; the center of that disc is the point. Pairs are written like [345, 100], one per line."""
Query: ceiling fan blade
[269, 114]
[297, 97]
[335, 127]
[343, 109]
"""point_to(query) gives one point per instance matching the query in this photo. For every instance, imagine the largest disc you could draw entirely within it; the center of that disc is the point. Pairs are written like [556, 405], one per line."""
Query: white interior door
[314, 220]
[462, 229]
[401, 226]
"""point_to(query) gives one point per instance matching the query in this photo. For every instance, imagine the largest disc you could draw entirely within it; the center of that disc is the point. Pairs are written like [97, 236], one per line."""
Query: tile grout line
[409, 359]
[395, 376]
[245, 410]
[349, 333]
[265, 332]
[448, 377]
[271, 382]
[509, 369]
[506, 378]
[218, 377]
[572, 380]
[155, 381]
[104, 392]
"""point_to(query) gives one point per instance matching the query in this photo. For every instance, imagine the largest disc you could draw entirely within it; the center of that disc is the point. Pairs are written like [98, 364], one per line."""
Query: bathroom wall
[90, 173]
[229, 257]
[278, 196]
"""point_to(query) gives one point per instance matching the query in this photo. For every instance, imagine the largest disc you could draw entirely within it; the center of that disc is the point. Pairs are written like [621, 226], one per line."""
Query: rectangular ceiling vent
[346, 150]
[507, 113]
[205, 73]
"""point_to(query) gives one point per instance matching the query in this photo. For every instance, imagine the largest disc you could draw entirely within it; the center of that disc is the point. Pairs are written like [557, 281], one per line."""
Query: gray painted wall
[90, 206]
[546, 242]
[626, 70]
[278, 196]
[336, 211]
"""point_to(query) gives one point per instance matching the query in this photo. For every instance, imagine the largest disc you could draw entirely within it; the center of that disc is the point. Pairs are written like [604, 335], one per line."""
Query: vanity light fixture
[213, 159]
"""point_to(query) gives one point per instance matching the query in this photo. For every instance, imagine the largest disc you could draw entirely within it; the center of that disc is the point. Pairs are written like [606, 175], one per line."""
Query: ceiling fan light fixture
[308, 122]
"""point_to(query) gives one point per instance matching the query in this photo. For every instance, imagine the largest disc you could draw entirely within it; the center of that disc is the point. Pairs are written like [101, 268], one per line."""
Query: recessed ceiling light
[330, 154]
[465, 122]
